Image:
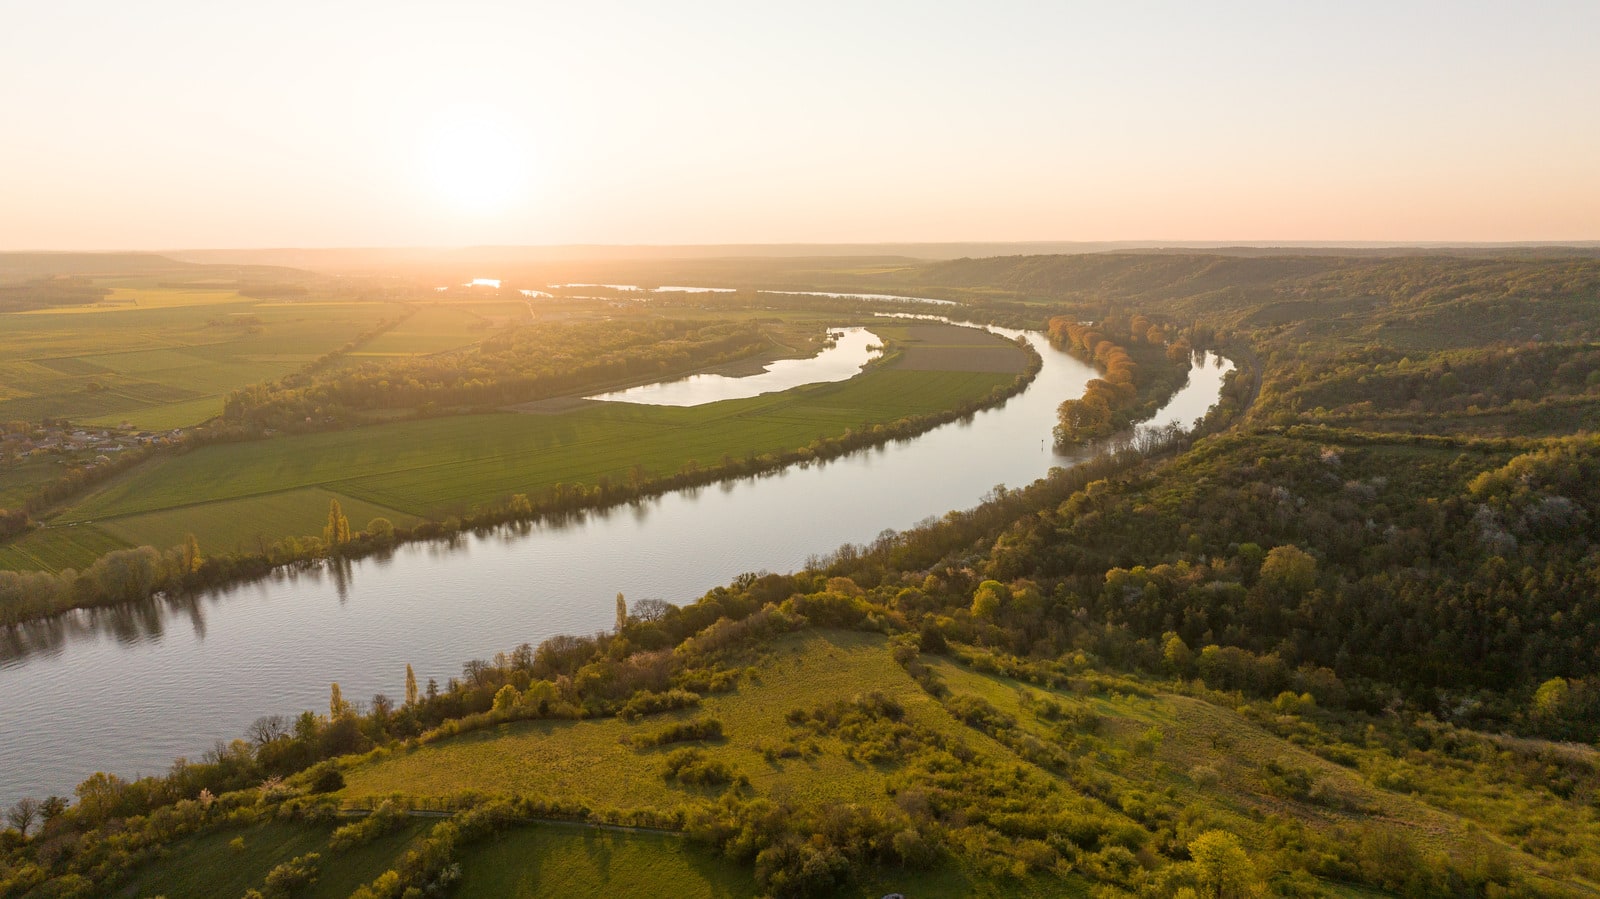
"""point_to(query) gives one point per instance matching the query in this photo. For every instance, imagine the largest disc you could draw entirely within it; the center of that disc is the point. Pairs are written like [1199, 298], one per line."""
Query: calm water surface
[851, 351]
[129, 690]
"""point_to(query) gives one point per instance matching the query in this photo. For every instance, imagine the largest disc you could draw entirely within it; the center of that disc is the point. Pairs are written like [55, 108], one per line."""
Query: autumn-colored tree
[337, 707]
[411, 686]
[191, 555]
[622, 613]
[1222, 867]
[1289, 569]
[337, 531]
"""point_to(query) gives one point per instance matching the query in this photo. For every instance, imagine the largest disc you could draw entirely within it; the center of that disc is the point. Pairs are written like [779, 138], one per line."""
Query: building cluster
[76, 444]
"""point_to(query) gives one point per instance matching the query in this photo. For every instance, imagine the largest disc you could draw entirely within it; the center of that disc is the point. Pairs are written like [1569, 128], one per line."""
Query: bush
[292, 876]
[682, 732]
[648, 703]
[386, 818]
[325, 778]
[692, 766]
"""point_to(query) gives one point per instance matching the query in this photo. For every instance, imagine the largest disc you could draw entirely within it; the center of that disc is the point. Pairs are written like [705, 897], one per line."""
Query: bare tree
[651, 609]
[268, 728]
[23, 814]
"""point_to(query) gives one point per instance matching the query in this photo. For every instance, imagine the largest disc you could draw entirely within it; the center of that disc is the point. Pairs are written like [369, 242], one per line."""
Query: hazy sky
[196, 123]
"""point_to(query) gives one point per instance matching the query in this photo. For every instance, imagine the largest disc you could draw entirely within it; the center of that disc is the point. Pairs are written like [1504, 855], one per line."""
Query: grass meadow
[1202, 754]
[205, 865]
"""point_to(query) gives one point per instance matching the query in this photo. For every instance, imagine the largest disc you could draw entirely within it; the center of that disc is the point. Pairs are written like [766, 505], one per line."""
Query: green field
[588, 863]
[205, 866]
[432, 329]
[230, 495]
[237, 524]
[162, 358]
[61, 547]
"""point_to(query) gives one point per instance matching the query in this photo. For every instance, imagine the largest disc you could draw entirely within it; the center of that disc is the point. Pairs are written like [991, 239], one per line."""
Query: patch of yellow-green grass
[58, 548]
[432, 329]
[164, 417]
[588, 761]
[206, 865]
[579, 862]
[247, 524]
[146, 298]
[560, 860]
[19, 481]
[1233, 751]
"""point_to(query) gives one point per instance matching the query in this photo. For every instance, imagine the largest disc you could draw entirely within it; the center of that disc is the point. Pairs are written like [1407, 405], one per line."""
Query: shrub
[682, 732]
[325, 778]
[692, 766]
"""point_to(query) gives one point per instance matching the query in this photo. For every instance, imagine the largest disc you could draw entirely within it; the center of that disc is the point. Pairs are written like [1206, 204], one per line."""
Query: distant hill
[16, 267]
[395, 259]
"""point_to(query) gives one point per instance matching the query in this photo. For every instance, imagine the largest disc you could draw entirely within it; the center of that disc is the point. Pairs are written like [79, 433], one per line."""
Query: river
[128, 690]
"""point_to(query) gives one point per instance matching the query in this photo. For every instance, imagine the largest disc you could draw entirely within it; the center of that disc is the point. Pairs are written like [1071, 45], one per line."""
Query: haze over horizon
[185, 124]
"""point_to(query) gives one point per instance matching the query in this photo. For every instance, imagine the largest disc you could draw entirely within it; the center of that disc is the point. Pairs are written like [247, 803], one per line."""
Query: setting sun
[477, 166]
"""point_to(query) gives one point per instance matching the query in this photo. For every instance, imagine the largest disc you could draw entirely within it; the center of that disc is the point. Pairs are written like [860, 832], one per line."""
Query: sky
[190, 123]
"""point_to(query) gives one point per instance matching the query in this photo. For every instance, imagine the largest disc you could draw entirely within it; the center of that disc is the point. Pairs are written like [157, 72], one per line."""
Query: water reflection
[852, 349]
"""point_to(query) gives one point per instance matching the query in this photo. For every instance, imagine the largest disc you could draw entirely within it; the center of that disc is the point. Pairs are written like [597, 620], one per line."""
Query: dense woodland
[1113, 402]
[1383, 548]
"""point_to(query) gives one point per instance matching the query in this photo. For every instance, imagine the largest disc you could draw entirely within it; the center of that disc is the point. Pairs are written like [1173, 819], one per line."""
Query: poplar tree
[191, 555]
[337, 533]
[622, 613]
[336, 704]
[411, 686]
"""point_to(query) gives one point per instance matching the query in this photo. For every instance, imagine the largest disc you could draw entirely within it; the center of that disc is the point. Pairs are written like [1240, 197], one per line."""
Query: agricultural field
[243, 524]
[438, 328]
[233, 494]
[160, 358]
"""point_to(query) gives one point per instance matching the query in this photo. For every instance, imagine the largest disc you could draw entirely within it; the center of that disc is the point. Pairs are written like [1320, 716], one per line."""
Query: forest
[1340, 640]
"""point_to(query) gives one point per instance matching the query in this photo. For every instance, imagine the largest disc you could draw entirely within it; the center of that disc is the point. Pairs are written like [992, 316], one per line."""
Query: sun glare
[478, 167]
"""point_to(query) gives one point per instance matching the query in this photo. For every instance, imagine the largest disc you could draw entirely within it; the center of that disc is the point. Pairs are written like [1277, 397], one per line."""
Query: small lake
[127, 690]
[851, 350]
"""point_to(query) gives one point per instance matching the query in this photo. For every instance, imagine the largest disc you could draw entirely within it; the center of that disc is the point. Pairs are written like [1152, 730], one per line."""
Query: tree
[1222, 867]
[622, 613]
[53, 807]
[1549, 699]
[23, 814]
[411, 686]
[506, 699]
[381, 530]
[988, 599]
[337, 533]
[1179, 657]
[1289, 569]
[268, 728]
[191, 555]
[337, 707]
